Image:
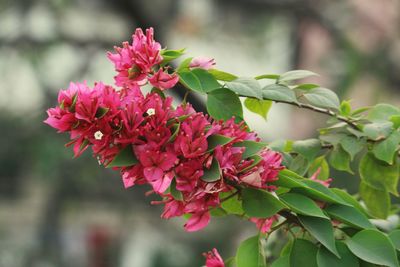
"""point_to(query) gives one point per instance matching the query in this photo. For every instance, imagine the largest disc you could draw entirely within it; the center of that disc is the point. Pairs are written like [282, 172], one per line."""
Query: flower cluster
[213, 259]
[187, 157]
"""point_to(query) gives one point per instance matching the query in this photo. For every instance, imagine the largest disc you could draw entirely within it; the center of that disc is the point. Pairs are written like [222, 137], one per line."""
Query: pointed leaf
[379, 174]
[303, 253]
[278, 92]
[199, 80]
[340, 159]
[349, 215]
[382, 112]
[378, 130]
[352, 145]
[260, 203]
[302, 205]
[322, 230]
[252, 147]
[377, 201]
[249, 254]
[386, 149]
[222, 104]
[327, 259]
[395, 238]
[374, 247]
[260, 107]
[245, 87]
[322, 97]
[212, 174]
[308, 148]
[124, 158]
[217, 140]
[296, 75]
[222, 76]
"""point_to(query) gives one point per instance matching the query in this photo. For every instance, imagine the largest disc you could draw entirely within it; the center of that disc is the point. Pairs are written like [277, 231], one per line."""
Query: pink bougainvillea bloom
[156, 164]
[213, 259]
[59, 119]
[146, 50]
[197, 221]
[202, 63]
[163, 80]
[264, 225]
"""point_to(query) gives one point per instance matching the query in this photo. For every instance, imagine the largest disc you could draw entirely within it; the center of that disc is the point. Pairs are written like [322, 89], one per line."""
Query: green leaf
[175, 130]
[303, 254]
[124, 158]
[378, 130]
[283, 261]
[184, 66]
[379, 174]
[217, 140]
[289, 179]
[296, 75]
[299, 164]
[169, 55]
[222, 104]
[222, 76]
[386, 149]
[249, 254]
[231, 262]
[322, 97]
[320, 192]
[345, 108]
[175, 192]
[245, 87]
[251, 147]
[377, 201]
[374, 247]
[232, 205]
[352, 145]
[260, 107]
[327, 259]
[349, 215]
[101, 111]
[278, 92]
[349, 200]
[306, 86]
[321, 164]
[212, 174]
[302, 205]
[322, 230]
[340, 159]
[260, 203]
[395, 238]
[308, 148]
[395, 119]
[198, 80]
[217, 212]
[382, 112]
[267, 76]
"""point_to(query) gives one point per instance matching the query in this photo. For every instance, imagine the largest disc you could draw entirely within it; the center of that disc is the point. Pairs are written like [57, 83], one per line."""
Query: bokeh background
[55, 211]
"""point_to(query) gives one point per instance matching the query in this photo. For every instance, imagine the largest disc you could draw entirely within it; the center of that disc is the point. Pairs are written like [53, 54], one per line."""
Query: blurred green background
[55, 211]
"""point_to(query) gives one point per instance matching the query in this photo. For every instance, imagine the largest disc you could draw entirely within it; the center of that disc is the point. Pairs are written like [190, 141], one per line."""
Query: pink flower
[156, 166]
[134, 62]
[146, 50]
[315, 175]
[59, 119]
[264, 225]
[213, 259]
[202, 63]
[163, 80]
[197, 221]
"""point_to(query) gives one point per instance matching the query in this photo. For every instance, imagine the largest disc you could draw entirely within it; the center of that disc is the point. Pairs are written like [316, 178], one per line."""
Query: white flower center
[151, 111]
[98, 135]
